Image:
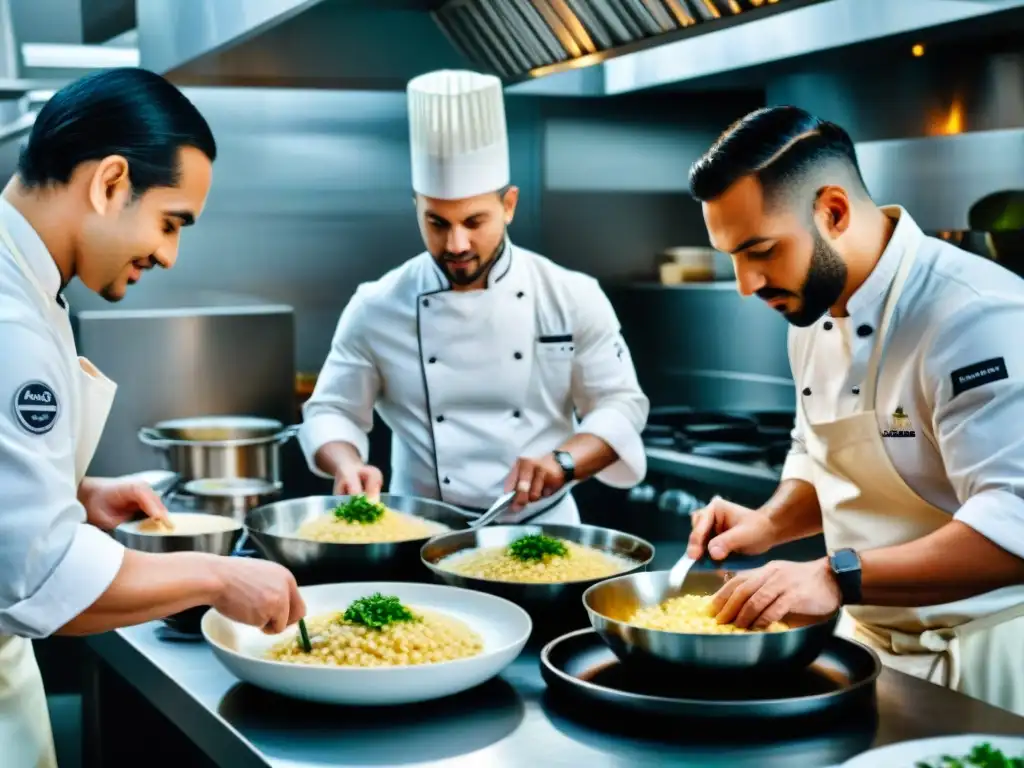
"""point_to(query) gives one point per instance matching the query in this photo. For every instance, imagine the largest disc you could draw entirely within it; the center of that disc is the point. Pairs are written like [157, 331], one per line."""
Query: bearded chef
[907, 448]
[478, 354]
[116, 164]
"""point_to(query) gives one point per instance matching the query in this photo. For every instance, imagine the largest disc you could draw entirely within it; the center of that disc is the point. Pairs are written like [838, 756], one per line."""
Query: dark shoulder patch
[976, 375]
[35, 407]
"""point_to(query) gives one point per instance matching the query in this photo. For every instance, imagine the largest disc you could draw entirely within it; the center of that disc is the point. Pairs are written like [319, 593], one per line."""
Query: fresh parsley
[536, 546]
[981, 756]
[359, 509]
[378, 611]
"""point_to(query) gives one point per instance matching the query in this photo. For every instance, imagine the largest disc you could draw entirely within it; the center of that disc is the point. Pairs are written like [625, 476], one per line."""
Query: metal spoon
[677, 576]
[503, 503]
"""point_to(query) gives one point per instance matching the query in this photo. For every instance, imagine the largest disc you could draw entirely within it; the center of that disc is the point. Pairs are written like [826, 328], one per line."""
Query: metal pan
[273, 526]
[548, 604]
[611, 603]
[580, 666]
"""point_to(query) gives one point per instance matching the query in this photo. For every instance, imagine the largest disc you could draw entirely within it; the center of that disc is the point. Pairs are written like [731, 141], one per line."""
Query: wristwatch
[564, 459]
[845, 566]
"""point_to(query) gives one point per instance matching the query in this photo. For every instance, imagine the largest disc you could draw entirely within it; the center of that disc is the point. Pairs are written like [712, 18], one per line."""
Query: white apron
[969, 646]
[25, 735]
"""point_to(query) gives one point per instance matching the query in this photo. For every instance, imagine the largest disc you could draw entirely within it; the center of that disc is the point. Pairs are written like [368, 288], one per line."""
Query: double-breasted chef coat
[909, 416]
[53, 565]
[468, 381]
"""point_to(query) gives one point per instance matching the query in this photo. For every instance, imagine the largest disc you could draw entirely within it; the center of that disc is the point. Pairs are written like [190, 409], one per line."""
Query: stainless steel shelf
[752, 478]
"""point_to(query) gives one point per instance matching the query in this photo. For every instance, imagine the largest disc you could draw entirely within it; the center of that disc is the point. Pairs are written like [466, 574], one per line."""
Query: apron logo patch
[899, 425]
[975, 375]
[35, 407]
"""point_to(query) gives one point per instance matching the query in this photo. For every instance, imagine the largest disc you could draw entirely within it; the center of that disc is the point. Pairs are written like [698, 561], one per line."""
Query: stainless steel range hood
[558, 47]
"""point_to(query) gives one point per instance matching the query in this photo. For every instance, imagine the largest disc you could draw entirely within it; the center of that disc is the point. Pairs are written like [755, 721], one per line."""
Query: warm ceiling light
[917, 50]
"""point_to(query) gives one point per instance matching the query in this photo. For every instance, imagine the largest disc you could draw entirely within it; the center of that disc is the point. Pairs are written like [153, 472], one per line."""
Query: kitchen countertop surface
[510, 721]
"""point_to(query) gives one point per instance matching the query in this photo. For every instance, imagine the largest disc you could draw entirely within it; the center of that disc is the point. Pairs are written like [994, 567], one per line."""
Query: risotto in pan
[536, 558]
[690, 614]
[361, 521]
[379, 631]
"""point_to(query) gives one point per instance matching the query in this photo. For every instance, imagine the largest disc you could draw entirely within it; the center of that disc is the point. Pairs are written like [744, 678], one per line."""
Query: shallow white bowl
[504, 627]
[907, 754]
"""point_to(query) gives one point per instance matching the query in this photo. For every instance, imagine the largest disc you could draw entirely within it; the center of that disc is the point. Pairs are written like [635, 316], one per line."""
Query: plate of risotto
[377, 643]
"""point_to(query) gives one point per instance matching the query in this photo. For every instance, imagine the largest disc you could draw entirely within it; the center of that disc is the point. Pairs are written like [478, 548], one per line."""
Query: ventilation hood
[558, 47]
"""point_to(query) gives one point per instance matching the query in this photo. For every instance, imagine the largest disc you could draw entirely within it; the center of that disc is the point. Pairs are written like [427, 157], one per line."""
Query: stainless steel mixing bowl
[273, 527]
[554, 605]
[611, 603]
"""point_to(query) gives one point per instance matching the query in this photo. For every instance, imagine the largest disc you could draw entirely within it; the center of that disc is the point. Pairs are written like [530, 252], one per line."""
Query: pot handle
[149, 436]
[287, 433]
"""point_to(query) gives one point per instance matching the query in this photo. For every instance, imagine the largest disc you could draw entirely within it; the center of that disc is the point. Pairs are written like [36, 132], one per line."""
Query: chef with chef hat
[495, 368]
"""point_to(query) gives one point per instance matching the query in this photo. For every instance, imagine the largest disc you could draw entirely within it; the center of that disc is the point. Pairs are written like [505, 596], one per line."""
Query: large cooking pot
[221, 446]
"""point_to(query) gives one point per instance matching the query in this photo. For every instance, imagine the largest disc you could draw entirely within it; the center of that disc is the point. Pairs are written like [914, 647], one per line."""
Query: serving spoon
[504, 502]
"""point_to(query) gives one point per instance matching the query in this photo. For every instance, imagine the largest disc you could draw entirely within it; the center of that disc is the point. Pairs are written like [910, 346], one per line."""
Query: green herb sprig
[304, 637]
[359, 509]
[981, 756]
[378, 611]
[536, 546]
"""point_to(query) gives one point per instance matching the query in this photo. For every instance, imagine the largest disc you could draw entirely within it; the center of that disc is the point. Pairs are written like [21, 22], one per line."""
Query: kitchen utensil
[555, 603]
[677, 576]
[582, 668]
[221, 446]
[273, 526]
[504, 627]
[499, 506]
[230, 496]
[612, 602]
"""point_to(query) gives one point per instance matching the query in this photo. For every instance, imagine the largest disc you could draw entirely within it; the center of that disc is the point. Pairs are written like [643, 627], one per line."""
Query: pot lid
[218, 428]
[229, 486]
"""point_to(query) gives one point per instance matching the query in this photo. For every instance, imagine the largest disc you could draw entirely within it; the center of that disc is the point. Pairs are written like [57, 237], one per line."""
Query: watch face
[845, 560]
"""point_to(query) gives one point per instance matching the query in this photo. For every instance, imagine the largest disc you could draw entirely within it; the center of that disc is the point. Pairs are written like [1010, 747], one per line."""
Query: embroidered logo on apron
[899, 425]
[35, 407]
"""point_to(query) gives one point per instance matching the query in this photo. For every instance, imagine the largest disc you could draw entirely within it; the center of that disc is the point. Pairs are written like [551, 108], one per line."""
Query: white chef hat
[458, 134]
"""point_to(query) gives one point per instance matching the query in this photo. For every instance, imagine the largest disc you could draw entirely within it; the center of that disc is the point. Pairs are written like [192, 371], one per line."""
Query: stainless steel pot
[228, 496]
[221, 446]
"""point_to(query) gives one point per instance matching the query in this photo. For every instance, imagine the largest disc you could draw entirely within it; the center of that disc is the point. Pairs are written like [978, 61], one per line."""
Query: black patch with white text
[35, 407]
[978, 374]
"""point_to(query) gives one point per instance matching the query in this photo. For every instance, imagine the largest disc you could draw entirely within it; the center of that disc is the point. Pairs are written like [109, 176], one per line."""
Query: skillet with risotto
[361, 521]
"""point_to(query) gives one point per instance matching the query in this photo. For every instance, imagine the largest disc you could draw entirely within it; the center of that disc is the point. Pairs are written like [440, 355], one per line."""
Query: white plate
[906, 754]
[503, 625]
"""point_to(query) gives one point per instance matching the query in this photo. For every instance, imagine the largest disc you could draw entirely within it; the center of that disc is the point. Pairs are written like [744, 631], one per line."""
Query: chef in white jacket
[907, 449]
[495, 368]
[115, 166]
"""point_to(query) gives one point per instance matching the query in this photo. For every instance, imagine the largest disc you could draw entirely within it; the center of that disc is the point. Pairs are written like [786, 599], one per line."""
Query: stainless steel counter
[510, 721]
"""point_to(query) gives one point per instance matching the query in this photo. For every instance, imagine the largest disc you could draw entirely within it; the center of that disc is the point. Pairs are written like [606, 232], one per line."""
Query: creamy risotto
[379, 631]
[690, 614]
[183, 524]
[536, 558]
[361, 521]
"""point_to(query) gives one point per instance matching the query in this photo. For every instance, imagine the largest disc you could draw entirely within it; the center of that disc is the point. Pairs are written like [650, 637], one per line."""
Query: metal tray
[579, 665]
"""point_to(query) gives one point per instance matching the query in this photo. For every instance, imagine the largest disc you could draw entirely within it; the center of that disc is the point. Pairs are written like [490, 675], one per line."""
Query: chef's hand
[258, 593]
[533, 479]
[110, 501]
[762, 595]
[356, 479]
[730, 528]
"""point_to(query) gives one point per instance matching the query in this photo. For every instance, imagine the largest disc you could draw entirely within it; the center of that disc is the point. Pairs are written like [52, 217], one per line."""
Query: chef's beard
[472, 274]
[824, 284]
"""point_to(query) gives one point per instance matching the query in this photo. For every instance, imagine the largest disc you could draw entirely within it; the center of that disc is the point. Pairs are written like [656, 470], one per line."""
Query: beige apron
[25, 735]
[975, 646]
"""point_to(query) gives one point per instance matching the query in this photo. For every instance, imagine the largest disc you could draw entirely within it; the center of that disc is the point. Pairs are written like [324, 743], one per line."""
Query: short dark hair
[129, 112]
[783, 147]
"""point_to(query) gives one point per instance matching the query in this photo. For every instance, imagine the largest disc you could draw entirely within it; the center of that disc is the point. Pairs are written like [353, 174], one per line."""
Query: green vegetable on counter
[536, 546]
[359, 509]
[982, 756]
[378, 611]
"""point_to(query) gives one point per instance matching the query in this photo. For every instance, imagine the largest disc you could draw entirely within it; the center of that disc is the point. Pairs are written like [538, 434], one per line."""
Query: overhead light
[68, 56]
[917, 50]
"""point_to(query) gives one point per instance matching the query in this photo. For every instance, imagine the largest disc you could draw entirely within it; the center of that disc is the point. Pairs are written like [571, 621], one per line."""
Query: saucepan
[273, 528]
[551, 605]
[611, 603]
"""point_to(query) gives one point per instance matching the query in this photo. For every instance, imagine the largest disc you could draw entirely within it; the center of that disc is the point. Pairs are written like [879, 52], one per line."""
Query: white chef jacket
[469, 381]
[53, 565]
[950, 397]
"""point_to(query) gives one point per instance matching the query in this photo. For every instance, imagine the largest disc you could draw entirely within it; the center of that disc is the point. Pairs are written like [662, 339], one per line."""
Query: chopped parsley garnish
[982, 756]
[359, 509]
[536, 546]
[377, 611]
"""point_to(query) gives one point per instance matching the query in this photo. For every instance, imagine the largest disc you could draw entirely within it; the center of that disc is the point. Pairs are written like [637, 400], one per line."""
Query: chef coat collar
[33, 249]
[498, 272]
[873, 290]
